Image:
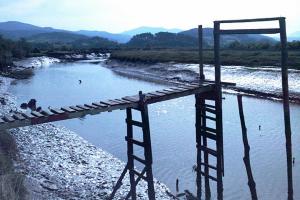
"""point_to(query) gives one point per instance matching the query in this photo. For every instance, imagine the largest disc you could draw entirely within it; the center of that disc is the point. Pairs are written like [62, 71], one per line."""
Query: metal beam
[251, 31]
[251, 20]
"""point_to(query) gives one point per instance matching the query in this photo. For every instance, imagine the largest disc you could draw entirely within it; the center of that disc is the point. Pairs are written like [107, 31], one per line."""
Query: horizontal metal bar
[250, 31]
[207, 165]
[208, 150]
[250, 20]
[134, 123]
[212, 130]
[139, 143]
[209, 117]
[209, 135]
[139, 159]
[209, 176]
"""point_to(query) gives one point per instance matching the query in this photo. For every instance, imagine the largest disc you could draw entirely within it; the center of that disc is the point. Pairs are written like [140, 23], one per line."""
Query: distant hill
[121, 38]
[15, 30]
[72, 40]
[227, 39]
[146, 29]
[56, 37]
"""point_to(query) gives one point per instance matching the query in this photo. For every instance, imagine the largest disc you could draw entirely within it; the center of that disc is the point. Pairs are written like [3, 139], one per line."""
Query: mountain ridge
[148, 29]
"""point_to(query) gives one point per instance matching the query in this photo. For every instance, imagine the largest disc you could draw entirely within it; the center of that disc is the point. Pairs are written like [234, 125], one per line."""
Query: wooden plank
[57, 111]
[18, 116]
[8, 118]
[90, 106]
[122, 101]
[114, 102]
[47, 112]
[177, 89]
[108, 103]
[150, 95]
[171, 90]
[37, 114]
[28, 115]
[83, 107]
[68, 109]
[157, 94]
[206, 89]
[250, 31]
[164, 92]
[194, 85]
[76, 108]
[132, 98]
[99, 104]
[186, 87]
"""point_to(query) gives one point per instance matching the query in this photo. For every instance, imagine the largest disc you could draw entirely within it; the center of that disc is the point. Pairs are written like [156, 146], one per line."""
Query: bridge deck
[14, 120]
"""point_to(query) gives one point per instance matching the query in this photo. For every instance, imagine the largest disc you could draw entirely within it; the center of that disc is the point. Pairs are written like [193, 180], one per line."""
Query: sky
[120, 15]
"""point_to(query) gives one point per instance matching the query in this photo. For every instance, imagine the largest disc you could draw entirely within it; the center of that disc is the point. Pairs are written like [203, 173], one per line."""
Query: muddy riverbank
[59, 164]
[262, 82]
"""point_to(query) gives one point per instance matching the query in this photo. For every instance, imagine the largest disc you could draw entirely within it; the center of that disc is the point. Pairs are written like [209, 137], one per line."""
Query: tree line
[10, 50]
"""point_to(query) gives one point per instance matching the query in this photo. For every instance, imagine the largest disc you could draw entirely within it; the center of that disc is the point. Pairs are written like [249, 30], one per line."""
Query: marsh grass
[11, 183]
[228, 57]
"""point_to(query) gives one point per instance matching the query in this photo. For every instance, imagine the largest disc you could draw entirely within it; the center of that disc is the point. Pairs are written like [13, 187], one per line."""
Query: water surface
[172, 126]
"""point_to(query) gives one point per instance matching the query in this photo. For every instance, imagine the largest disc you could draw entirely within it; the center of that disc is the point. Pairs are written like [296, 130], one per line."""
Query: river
[172, 128]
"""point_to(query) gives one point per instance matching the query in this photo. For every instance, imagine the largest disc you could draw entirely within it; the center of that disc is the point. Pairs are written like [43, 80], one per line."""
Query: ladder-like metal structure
[209, 139]
[209, 133]
[205, 133]
[146, 174]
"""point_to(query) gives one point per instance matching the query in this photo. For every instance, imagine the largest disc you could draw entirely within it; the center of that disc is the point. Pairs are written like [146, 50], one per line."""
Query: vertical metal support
[198, 145]
[200, 40]
[286, 107]
[146, 144]
[148, 148]
[148, 152]
[130, 154]
[219, 123]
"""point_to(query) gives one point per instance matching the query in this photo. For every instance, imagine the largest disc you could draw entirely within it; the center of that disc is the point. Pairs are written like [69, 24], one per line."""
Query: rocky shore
[59, 164]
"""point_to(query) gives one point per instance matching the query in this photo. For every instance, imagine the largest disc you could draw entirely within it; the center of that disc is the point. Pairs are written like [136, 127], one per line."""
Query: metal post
[198, 145]
[200, 40]
[219, 124]
[286, 107]
[148, 148]
[130, 154]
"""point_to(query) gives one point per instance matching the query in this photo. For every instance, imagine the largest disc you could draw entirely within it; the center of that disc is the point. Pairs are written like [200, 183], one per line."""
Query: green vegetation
[255, 50]
[11, 183]
[228, 57]
[162, 40]
[10, 50]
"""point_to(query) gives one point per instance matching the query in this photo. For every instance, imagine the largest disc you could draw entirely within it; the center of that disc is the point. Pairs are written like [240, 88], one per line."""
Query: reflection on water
[173, 129]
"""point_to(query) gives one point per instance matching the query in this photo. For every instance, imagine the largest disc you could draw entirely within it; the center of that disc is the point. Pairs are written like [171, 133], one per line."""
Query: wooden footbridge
[208, 106]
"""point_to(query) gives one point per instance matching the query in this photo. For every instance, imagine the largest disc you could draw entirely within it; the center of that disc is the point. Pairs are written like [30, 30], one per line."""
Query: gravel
[59, 164]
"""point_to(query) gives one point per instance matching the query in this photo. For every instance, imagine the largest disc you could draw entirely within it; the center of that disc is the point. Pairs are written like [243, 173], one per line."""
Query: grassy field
[228, 57]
